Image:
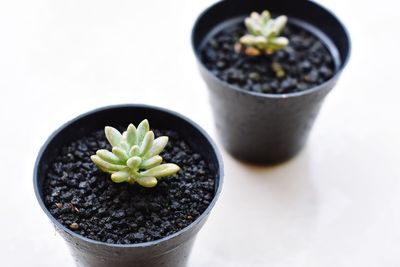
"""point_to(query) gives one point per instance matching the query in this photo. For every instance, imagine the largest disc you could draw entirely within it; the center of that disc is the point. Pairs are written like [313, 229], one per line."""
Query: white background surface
[336, 204]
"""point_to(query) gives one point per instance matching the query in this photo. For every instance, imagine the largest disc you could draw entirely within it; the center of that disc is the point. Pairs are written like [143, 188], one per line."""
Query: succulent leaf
[265, 16]
[108, 156]
[158, 146]
[263, 33]
[104, 165]
[255, 16]
[142, 129]
[114, 137]
[252, 26]
[131, 135]
[247, 39]
[120, 153]
[134, 151]
[279, 42]
[147, 181]
[135, 156]
[134, 162]
[280, 23]
[151, 162]
[121, 176]
[147, 143]
[167, 169]
[124, 145]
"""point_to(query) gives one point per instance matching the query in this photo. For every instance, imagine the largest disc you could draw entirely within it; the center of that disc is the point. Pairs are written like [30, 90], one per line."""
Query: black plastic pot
[268, 128]
[170, 251]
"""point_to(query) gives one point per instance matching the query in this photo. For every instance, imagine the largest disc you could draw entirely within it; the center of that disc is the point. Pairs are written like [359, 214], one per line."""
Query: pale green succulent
[263, 34]
[135, 156]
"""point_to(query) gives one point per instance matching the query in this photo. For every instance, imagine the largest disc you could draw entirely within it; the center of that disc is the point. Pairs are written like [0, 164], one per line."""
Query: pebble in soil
[305, 61]
[85, 200]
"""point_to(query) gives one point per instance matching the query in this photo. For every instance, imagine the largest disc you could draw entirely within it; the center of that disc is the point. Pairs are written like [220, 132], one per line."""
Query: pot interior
[306, 14]
[121, 116]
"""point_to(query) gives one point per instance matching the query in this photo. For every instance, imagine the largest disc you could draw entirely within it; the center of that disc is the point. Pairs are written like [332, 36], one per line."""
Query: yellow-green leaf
[163, 170]
[120, 177]
[104, 165]
[147, 181]
[113, 136]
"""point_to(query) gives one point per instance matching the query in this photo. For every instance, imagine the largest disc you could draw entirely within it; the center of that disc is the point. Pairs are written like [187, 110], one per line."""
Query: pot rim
[136, 245]
[268, 95]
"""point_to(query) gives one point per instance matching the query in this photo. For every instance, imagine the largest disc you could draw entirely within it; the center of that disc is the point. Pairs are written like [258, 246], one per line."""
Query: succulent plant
[135, 156]
[263, 34]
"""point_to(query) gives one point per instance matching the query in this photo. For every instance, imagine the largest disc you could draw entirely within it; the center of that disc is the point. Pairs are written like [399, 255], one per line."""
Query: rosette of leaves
[134, 157]
[263, 34]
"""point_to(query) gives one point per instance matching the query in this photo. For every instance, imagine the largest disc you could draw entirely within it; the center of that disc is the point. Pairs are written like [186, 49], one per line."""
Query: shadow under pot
[105, 223]
[265, 105]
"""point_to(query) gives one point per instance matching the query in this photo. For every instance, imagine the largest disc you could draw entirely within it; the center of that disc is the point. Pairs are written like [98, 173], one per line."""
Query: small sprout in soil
[254, 76]
[74, 226]
[135, 156]
[263, 34]
[278, 70]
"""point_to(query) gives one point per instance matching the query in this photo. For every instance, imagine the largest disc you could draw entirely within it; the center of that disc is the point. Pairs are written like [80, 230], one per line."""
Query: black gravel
[306, 61]
[85, 199]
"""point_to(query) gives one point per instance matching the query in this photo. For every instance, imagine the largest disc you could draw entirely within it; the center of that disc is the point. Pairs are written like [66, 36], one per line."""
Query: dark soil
[84, 199]
[306, 61]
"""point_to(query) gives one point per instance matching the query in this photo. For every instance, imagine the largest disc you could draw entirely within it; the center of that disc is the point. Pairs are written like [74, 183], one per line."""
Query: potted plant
[268, 66]
[128, 196]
